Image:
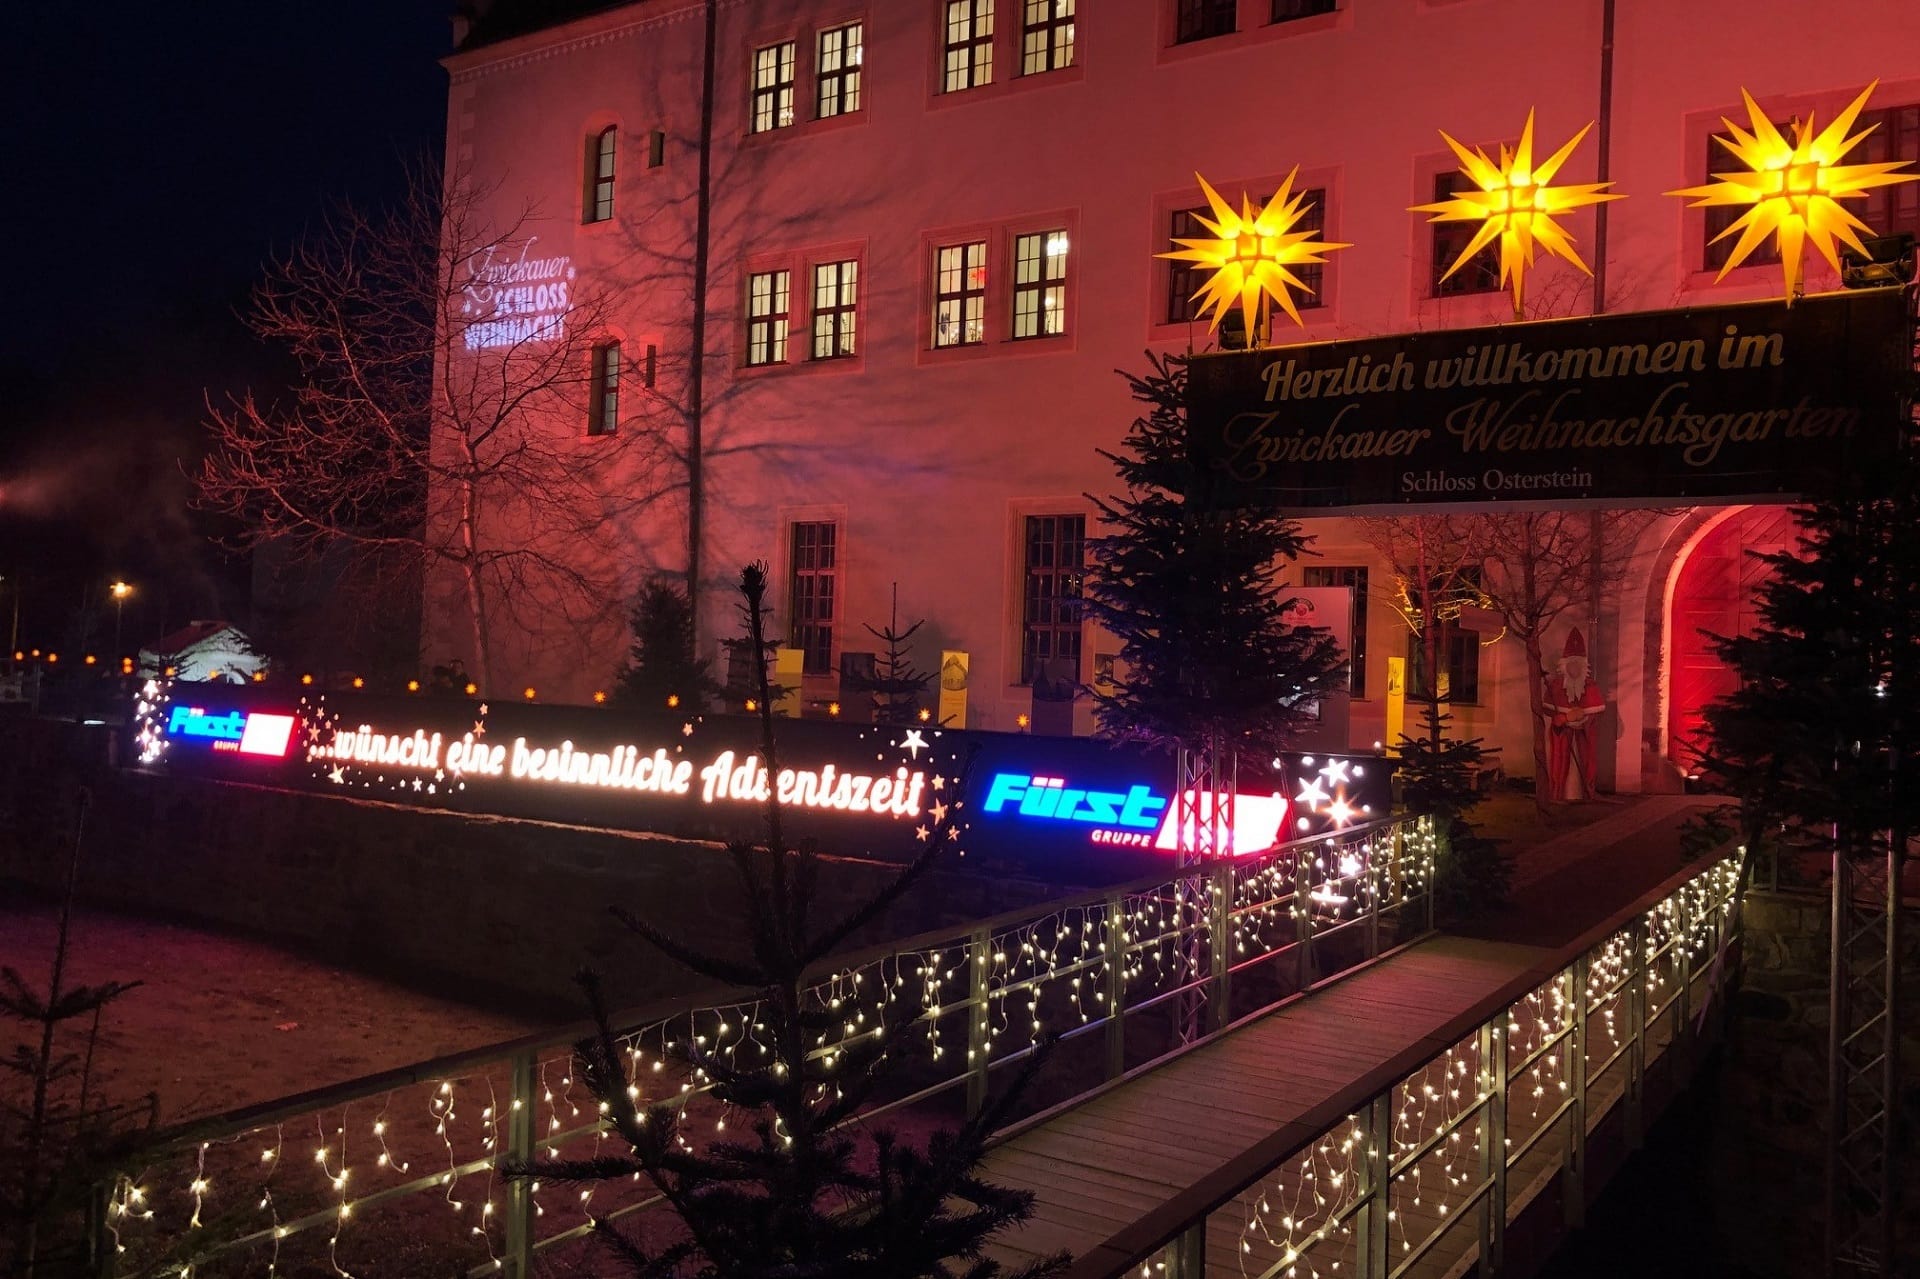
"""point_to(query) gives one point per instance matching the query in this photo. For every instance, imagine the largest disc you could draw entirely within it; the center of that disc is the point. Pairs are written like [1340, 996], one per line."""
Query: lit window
[960, 294]
[835, 292]
[1481, 273]
[773, 69]
[969, 44]
[768, 297]
[1288, 10]
[839, 70]
[1203, 19]
[599, 201]
[603, 406]
[1040, 284]
[1046, 36]
[1050, 608]
[814, 547]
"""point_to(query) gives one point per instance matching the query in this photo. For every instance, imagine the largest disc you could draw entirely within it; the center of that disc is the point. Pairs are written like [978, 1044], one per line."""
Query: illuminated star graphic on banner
[1251, 254]
[1515, 203]
[1324, 793]
[338, 776]
[1792, 188]
[913, 743]
[939, 811]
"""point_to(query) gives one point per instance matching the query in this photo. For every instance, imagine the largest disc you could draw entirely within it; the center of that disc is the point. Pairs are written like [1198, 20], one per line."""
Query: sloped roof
[193, 633]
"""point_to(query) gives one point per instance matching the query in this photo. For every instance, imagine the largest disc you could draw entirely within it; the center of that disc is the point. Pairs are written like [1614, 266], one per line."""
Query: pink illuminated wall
[929, 461]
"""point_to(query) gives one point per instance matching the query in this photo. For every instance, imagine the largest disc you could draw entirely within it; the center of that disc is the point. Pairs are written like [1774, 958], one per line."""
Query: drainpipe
[1605, 668]
[1603, 139]
[697, 337]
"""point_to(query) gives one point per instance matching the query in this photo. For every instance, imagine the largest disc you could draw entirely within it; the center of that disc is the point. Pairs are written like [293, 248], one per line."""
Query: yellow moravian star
[1515, 204]
[1252, 253]
[1793, 187]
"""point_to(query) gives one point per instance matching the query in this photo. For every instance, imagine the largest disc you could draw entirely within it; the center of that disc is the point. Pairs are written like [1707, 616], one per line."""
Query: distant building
[932, 241]
[209, 652]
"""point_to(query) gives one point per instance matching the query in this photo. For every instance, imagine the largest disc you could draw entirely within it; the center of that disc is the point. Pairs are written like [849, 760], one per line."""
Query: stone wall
[495, 909]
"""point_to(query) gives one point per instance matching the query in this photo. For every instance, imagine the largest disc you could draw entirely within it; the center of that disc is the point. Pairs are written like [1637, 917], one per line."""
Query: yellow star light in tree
[1515, 203]
[1252, 254]
[1793, 187]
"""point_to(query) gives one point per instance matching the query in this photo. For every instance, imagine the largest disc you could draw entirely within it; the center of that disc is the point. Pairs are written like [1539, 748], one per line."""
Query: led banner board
[1068, 808]
[1758, 401]
[246, 732]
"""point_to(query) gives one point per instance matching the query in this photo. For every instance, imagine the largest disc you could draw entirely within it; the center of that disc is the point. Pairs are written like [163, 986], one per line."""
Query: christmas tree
[896, 685]
[661, 664]
[799, 1192]
[1191, 588]
[1827, 716]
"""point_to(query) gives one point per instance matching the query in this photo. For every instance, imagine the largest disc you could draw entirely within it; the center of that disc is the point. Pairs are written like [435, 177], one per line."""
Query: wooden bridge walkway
[1108, 1162]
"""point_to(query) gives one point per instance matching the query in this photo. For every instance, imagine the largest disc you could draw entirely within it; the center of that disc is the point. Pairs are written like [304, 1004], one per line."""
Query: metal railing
[1420, 1167]
[398, 1172]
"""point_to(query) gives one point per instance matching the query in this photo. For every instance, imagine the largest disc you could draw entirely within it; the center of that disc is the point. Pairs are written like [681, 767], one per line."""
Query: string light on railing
[1060, 965]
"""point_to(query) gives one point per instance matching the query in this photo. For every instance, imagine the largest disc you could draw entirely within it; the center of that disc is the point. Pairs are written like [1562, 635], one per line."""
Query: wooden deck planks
[1106, 1163]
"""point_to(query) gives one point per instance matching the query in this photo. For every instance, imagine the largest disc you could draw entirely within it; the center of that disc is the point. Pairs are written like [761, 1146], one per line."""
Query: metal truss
[1863, 1064]
[1204, 796]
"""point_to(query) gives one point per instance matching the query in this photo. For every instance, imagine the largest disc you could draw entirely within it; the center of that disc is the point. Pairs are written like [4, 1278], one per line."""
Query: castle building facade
[859, 298]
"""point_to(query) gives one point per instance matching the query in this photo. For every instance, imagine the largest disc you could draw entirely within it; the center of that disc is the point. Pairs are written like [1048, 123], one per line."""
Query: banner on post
[1751, 402]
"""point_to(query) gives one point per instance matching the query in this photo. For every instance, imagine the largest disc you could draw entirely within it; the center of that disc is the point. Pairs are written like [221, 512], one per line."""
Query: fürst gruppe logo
[1137, 817]
[244, 732]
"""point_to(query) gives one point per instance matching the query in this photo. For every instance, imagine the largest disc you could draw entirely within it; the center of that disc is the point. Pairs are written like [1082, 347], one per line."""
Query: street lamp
[119, 591]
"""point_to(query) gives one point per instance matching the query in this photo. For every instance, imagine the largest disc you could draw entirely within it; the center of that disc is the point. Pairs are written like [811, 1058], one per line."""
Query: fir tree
[1827, 715]
[1439, 776]
[1192, 590]
[800, 1195]
[58, 1135]
[897, 685]
[661, 664]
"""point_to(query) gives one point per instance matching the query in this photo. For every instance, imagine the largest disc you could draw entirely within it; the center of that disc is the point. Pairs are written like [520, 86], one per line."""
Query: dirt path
[222, 1021]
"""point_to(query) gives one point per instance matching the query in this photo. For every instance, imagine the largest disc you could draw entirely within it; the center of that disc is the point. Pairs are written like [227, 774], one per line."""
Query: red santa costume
[1573, 703]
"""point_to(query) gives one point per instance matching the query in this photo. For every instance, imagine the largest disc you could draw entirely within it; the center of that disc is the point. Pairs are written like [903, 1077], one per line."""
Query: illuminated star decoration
[1251, 254]
[1793, 187]
[1324, 794]
[913, 743]
[1515, 204]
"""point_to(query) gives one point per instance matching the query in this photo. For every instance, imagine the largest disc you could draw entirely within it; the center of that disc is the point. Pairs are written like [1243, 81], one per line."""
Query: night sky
[155, 155]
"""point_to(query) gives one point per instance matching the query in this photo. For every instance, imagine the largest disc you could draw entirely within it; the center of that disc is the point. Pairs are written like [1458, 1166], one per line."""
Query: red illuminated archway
[1713, 592]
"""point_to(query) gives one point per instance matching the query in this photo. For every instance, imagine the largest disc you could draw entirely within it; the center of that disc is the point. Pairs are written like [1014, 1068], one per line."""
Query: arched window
[598, 206]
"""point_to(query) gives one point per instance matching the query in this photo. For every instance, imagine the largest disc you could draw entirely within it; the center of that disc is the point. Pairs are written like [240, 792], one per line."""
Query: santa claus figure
[1574, 704]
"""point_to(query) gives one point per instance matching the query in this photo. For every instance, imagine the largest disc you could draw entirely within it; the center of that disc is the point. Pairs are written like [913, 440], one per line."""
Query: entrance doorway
[1713, 593]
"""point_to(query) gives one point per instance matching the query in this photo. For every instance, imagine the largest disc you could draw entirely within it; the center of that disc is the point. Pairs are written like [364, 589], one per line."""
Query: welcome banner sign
[1758, 401]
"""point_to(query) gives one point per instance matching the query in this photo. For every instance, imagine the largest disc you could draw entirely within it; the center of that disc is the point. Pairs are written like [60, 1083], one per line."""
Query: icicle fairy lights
[966, 1008]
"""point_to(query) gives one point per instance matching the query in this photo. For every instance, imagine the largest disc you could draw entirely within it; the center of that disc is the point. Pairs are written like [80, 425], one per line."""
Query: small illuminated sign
[245, 732]
[1051, 799]
[1136, 817]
